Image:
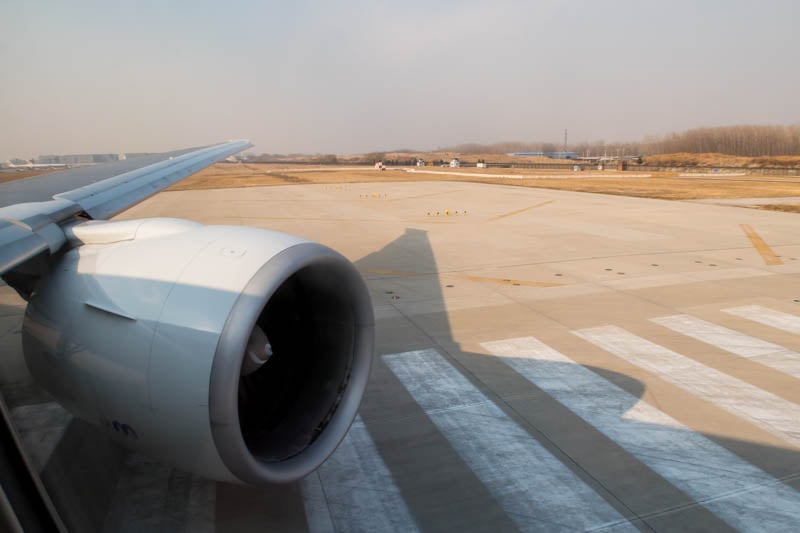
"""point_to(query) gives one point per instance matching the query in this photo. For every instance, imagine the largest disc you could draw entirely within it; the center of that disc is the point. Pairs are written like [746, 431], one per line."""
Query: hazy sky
[350, 76]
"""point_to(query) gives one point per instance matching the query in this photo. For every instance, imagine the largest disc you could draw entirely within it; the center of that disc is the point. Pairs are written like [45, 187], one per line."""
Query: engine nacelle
[235, 353]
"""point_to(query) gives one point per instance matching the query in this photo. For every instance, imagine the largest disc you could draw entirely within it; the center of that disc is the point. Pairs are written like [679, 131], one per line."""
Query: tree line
[749, 141]
[743, 140]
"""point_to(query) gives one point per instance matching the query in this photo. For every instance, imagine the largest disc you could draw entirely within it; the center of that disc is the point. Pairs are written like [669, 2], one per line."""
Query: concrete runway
[545, 360]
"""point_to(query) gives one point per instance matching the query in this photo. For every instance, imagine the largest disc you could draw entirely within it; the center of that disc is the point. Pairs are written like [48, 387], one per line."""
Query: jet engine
[235, 353]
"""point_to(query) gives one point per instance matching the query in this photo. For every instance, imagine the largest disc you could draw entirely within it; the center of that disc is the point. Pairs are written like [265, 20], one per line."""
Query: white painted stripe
[768, 317]
[354, 490]
[762, 408]
[736, 491]
[534, 488]
[201, 507]
[318, 517]
[139, 495]
[153, 496]
[40, 427]
[765, 353]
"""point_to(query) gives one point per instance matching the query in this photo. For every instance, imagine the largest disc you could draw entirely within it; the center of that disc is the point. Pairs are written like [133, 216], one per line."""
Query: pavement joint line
[460, 385]
[577, 388]
[590, 258]
[477, 279]
[755, 405]
[501, 402]
[506, 403]
[512, 282]
[518, 211]
[761, 246]
[425, 195]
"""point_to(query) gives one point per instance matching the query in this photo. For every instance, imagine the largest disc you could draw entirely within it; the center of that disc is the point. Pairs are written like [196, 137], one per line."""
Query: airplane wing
[32, 209]
[235, 353]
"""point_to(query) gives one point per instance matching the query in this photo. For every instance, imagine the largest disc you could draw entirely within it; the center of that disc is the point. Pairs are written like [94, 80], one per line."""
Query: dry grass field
[786, 208]
[14, 175]
[668, 186]
[664, 186]
[722, 160]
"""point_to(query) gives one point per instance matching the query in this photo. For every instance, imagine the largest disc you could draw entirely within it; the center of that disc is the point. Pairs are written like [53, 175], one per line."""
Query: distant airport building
[455, 163]
[68, 160]
[551, 155]
[77, 159]
[420, 162]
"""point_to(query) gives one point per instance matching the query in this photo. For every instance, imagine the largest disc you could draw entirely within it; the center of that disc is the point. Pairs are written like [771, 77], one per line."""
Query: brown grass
[721, 160]
[666, 186]
[786, 208]
[14, 174]
[250, 175]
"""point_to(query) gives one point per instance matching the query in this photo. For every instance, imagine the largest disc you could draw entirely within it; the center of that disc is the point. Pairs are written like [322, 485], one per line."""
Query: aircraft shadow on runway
[450, 464]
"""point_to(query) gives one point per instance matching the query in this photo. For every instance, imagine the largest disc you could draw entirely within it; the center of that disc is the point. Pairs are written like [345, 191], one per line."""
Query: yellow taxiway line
[518, 211]
[761, 246]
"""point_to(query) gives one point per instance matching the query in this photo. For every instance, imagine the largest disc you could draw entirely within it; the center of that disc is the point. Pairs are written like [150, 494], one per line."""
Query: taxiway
[545, 360]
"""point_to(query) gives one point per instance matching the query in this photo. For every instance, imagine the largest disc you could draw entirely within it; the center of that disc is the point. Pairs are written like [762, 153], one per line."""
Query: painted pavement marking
[763, 352]
[153, 496]
[761, 246]
[354, 491]
[768, 317]
[762, 408]
[518, 211]
[731, 488]
[40, 427]
[535, 489]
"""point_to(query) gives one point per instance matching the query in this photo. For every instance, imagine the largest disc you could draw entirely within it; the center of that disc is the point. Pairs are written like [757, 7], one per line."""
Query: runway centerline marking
[736, 491]
[761, 408]
[536, 490]
[761, 246]
[518, 211]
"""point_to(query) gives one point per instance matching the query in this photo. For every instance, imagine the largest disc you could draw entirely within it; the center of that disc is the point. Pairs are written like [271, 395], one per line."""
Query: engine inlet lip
[223, 389]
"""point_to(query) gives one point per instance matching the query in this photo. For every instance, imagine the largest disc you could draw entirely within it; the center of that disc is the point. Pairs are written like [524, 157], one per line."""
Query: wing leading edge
[28, 229]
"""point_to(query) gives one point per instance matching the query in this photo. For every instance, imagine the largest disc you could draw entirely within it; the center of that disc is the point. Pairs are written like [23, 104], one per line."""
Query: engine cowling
[236, 353]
